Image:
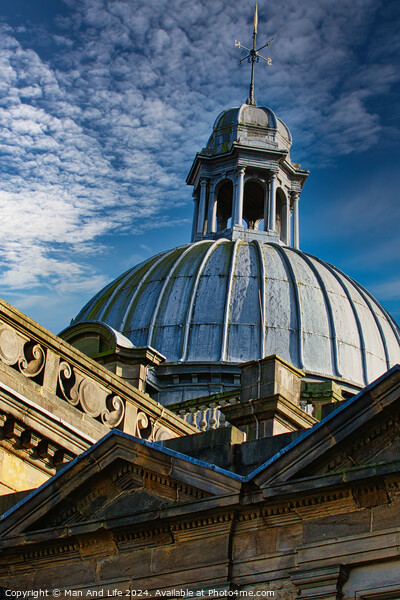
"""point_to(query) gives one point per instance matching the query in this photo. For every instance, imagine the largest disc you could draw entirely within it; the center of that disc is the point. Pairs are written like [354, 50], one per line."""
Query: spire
[253, 57]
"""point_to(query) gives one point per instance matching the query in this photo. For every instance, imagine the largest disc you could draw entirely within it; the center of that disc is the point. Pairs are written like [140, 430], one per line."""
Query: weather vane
[253, 57]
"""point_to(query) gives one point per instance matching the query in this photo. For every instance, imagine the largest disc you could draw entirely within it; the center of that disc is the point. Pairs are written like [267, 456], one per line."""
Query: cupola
[245, 185]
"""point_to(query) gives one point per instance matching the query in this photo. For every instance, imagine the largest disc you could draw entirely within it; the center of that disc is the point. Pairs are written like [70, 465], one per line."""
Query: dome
[224, 301]
[248, 125]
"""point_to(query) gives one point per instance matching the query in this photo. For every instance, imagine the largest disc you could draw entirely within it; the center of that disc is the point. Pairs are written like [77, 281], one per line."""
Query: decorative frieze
[209, 526]
[55, 370]
[158, 536]
[92, 398]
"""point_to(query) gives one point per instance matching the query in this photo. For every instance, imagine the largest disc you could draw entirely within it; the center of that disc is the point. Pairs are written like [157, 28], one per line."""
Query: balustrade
[59, 370]
[203, 413]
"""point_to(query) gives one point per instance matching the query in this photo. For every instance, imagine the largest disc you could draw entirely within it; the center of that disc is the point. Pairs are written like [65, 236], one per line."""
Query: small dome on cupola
[247, 125]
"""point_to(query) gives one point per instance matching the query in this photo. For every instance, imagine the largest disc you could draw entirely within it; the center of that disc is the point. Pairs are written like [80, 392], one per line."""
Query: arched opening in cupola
[224, 204]
[253, 204]
[281, 215]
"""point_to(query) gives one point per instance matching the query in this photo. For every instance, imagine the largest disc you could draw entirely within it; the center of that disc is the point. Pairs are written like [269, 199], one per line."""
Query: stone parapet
[264, 417]
[40, 366]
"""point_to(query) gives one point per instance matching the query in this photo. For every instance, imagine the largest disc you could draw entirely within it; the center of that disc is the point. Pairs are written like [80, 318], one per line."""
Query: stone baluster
[203, 418]
[222, 419]
[213, 421]
[193, 412]
[183, 414]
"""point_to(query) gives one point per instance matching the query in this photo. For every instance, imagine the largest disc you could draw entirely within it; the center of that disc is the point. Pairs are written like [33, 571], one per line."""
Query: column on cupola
[195, 214]
[212, 208]
[295, 200]
[266, 205]
[287, 220]
[272, 202]
[238, 212]
[202, 207]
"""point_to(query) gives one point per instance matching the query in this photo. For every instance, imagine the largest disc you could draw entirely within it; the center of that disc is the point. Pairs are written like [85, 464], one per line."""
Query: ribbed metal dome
[235, 301]
[254, 126]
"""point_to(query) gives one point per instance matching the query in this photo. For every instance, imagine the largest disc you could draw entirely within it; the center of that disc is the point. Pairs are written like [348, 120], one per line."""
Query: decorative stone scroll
[144, 426]
[139, 422]
[89, 396]
[15, 350]
[160, 433]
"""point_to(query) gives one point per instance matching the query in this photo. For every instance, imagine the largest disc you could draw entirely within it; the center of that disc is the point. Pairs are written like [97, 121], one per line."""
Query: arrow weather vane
[253, 57]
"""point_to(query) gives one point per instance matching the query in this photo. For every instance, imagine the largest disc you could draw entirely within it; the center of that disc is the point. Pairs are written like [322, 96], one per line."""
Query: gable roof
[312, 447]
[212, 480]
[357, 429]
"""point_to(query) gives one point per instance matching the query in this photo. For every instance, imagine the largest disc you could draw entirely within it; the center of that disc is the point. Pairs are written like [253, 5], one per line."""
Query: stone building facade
[318, 518]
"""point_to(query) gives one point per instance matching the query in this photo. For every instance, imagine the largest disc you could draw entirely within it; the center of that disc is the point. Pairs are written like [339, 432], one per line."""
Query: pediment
[359, 441]
[120, 478]
[123, 489]
[377, 443]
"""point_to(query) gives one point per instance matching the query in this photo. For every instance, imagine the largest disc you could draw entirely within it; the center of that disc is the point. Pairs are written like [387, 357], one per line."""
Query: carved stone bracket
[16, 350]
[33, 445]
[89, 396]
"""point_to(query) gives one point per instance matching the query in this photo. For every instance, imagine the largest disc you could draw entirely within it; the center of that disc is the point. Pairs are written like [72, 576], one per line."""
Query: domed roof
[233, 301]
[249, 125]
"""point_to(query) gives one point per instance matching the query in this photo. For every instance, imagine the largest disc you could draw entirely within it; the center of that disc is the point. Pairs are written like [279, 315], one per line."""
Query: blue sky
[103, 105]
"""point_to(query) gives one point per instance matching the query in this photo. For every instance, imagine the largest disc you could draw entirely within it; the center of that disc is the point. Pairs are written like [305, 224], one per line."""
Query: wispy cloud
[389, 290]
[101, 114]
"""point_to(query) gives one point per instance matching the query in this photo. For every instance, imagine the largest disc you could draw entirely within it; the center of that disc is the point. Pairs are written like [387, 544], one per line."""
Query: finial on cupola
[253, 57]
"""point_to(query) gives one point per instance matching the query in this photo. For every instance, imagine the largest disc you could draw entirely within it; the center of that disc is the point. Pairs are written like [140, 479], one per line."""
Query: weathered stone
[325, 583]
[227, 448]
[268, 416]
[215, 446]
[331, 527]
[270, 376]
[55, 402]
[385, 516]
[319, 394]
